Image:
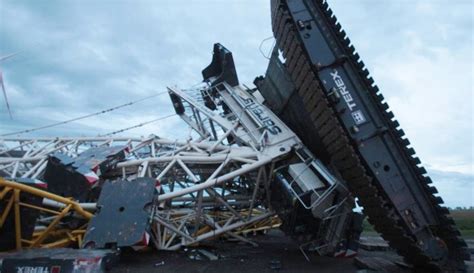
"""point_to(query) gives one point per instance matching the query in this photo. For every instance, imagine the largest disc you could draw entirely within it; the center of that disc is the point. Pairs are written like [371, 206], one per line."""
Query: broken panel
[123, 217]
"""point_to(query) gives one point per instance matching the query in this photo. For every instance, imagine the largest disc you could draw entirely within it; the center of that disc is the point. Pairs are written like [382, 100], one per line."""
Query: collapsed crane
[314, 135]
[245, 166]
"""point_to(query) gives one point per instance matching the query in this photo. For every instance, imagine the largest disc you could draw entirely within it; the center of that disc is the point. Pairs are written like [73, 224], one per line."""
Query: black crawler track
[344, 151]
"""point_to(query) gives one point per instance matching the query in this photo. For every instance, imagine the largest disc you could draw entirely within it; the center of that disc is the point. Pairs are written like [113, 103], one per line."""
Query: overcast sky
[79, 57]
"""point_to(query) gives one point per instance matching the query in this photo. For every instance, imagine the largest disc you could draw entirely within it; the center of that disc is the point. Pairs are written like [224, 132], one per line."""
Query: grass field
[464, 221]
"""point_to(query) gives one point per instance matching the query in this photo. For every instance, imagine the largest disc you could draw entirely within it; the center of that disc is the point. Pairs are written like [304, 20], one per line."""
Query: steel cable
[82, 117]
[138, 125]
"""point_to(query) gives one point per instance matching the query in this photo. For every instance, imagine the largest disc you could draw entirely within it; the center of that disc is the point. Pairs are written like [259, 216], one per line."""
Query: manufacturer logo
[357, 115]
[258, 112]
[38, 269]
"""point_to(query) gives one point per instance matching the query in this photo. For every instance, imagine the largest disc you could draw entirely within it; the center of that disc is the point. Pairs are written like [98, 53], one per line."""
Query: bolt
[355, 129]
[300, 24]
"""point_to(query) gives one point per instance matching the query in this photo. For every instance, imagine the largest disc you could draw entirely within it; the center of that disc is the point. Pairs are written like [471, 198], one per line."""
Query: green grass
[464, 221]
[367, 226]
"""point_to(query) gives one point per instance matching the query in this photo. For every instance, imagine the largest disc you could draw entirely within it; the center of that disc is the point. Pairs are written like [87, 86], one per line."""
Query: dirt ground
[274, 250]
[275, 253]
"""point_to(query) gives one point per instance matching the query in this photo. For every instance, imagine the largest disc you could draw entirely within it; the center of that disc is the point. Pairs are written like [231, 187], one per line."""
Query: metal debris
[159, 264]
[241, 171]
[275, 264]
[208, 255]
[123, 218]
[373, 244]
[58, 260]
[76, 177]
[174, 194]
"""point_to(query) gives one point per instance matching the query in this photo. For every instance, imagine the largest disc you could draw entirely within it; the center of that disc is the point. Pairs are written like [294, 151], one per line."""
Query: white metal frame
[210, 186]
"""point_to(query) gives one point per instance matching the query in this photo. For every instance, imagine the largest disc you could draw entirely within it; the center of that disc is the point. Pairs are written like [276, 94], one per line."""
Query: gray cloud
[455, 188]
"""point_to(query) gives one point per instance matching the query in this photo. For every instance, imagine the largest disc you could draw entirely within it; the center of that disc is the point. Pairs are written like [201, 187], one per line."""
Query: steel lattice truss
[218, 184]
[180, 166]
